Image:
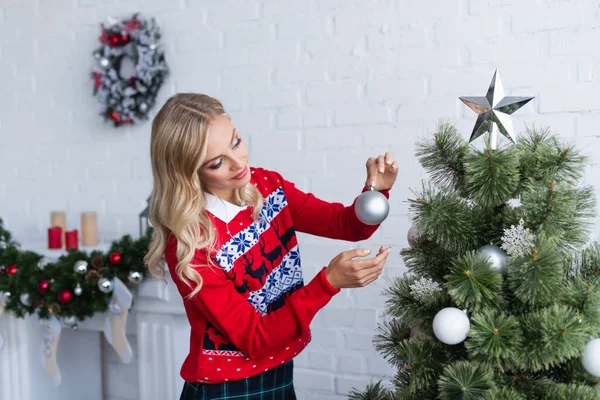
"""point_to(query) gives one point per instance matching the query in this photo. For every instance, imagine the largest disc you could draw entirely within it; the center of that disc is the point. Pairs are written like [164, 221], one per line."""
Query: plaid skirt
[275, 384]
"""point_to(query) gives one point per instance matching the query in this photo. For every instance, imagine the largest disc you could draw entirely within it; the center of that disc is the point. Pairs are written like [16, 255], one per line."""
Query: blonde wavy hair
[178, 144]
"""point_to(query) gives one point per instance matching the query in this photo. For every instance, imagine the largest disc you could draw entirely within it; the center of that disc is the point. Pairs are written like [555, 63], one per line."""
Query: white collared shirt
[222, 209]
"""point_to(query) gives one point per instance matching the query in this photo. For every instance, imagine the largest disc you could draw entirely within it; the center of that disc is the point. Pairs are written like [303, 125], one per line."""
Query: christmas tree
[502, 295]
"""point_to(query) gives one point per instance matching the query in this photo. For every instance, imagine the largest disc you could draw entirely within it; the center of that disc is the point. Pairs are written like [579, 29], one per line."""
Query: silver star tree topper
[494, 112]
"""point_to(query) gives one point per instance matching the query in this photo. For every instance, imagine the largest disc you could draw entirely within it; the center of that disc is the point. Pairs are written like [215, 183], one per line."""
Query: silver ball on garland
[413, 235]
[135, 277]
[371, 207]
[42, 263]
[5, 296]
[80, 267]
[591, 357]
[24, 298]
[97, 55]
[3, 244]
[105, 285]
[495, 255]
[104, 63]
[70, 320]
[152, 46]
[451, 325]
[78, 290]
[143, 107]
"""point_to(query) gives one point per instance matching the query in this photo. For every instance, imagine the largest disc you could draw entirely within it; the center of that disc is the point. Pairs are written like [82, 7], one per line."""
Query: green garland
[30, 284]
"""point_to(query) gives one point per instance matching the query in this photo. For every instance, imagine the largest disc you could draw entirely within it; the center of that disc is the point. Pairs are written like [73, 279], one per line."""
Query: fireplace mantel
[158, 320]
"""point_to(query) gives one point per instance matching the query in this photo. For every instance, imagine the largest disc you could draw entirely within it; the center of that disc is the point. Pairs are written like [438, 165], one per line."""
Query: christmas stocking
[116, 320]
[51, 334]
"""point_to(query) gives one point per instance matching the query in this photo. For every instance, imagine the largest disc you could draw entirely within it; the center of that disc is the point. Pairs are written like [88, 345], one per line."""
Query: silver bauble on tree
[495, 255]
[5, 296]
[135, 277]
[80, 267]
[24, 298]
[70, 321]
[105, 285]
[413, 235]
[371, 207]
[78, 290]
[42, 263]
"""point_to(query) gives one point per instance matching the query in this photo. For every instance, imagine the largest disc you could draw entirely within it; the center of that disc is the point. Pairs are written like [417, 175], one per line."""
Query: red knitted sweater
[253, 312]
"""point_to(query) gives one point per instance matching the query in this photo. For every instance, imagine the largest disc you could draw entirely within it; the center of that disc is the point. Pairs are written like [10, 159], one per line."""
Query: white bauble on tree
[451, 325]
[591, 357]
[371, 207]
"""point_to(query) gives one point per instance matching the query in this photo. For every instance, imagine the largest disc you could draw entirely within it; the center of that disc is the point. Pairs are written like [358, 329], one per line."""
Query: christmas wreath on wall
[72, 288]
[130, 69]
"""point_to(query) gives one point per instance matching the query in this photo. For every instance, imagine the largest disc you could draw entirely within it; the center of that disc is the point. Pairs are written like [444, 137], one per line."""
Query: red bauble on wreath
[64, 296]
[114, 257]
[131, 69]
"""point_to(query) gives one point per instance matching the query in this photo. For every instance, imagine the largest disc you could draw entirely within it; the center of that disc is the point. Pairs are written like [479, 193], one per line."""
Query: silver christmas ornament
[105, 285]
[152, 46]
[495, 255]
[78, 290]
[104, 63]
[5, 296]
[80, 267]
[372, 207]
[97, 55]
[24, 298]
[70, 320]
[494, 110]
[2, 244]
[135, 277]
[42, 263]
[412, 235]
[143, 107]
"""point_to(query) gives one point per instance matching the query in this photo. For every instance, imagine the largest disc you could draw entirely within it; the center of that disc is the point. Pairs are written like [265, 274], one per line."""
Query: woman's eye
[217, 165]
[237, 143]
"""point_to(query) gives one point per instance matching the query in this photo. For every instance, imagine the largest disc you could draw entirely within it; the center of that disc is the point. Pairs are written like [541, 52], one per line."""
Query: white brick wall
[316, 86]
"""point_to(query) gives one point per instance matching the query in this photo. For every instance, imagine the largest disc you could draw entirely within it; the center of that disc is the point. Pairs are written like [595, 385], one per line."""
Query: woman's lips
[242, 174]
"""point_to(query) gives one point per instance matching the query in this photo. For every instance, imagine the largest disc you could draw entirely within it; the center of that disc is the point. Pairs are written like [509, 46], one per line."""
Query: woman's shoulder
[265, 179]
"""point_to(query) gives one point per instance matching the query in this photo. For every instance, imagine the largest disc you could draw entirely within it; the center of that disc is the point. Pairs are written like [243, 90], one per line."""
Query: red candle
[55, 237]
[71, 241]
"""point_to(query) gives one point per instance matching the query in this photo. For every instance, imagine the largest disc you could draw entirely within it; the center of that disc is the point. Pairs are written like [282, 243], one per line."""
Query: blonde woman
[227, 233]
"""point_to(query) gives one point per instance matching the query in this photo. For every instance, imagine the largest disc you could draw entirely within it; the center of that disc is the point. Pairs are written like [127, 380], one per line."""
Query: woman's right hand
[346, 272]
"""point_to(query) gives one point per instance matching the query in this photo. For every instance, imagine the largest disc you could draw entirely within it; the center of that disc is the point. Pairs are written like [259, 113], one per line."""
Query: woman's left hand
[381, 172]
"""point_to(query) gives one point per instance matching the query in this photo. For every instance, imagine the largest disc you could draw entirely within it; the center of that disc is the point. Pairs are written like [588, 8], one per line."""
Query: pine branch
[559, 212]
[504, 393]
[443, 157]
[542, 157]
[551, 336]
[494, 339]
[443, 217]
[473, 284]
[465, 380]
[537, 278]
[390, 335]
[586, 263]
[373, 391]
[492, 176]
[426, 258]
[424, 360]
[402, 304]
[584, 296]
